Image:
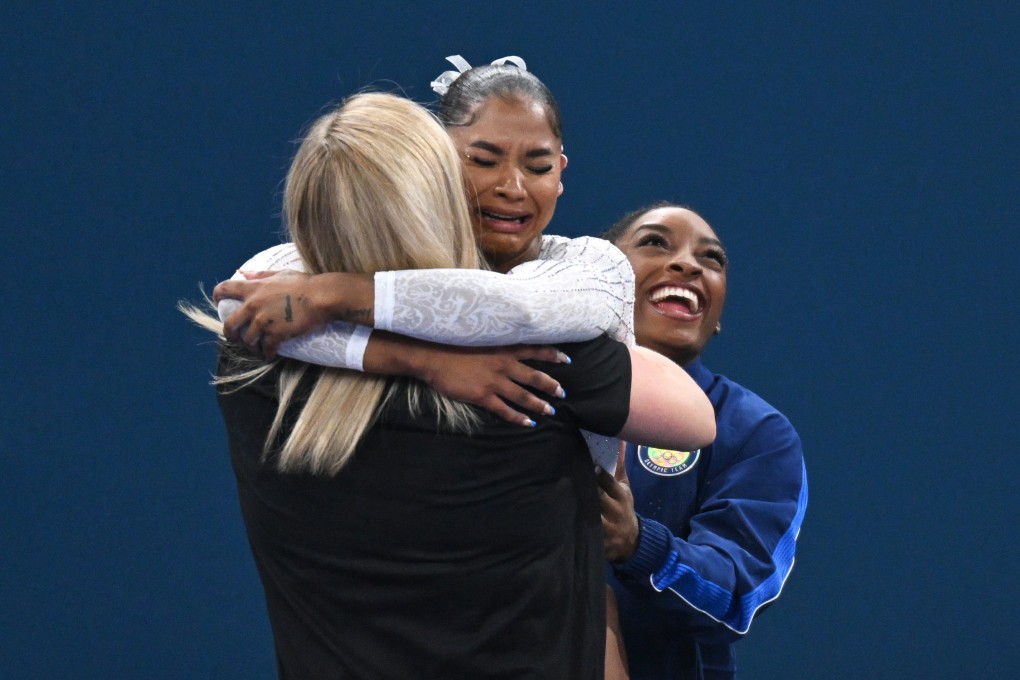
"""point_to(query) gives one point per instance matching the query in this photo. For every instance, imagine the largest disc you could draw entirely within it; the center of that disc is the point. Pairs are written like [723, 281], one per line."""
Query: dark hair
[473, 87]
[620, 227]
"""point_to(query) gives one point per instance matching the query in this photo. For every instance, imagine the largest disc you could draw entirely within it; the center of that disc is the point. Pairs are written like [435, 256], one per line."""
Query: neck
[503, 264]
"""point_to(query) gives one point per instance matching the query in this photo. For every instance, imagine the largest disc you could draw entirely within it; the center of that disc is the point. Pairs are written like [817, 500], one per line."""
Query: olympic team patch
[666, 463]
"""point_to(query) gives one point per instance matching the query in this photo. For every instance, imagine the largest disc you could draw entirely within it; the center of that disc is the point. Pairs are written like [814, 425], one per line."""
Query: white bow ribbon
[442, 83]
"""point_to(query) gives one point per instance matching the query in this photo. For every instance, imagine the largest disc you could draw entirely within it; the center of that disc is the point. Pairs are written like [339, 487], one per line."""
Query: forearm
[343, 296]
[454, 307]
[338, 343]
[546, 301]
[681, 589]
[736, 555]
[541, 303]
[336, 296]
[395, 355]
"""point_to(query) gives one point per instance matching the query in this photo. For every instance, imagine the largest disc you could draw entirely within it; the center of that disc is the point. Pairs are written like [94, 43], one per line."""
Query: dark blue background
[860, 161]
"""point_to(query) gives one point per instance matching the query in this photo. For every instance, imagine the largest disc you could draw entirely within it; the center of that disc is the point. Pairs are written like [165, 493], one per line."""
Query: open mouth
[509, 219]
[676, 300]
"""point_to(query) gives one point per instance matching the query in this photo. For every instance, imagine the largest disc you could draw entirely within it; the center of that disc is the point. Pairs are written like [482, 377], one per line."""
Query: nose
[684, 262]
[511, 184]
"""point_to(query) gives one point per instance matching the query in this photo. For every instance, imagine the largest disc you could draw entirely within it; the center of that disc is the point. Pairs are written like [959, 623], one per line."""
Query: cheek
[473, 183]
[643, 270]
[545, 191]
[719, 295]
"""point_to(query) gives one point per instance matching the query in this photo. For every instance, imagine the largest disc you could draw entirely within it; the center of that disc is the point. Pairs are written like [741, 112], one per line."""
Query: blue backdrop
[860, 160]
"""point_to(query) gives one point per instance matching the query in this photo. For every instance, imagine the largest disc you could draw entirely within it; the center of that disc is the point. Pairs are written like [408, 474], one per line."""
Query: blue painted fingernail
[563, 393]
[549, 410]
[529, 422]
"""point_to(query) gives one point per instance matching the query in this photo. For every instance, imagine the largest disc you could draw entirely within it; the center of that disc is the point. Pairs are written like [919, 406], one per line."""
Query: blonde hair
[375, 185]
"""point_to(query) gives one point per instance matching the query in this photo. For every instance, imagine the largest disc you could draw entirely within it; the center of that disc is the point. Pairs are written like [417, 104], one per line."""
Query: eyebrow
[494, 149]
[663, 229]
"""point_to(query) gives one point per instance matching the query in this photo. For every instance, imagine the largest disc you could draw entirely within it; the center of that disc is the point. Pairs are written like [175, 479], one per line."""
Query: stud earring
[718, 328]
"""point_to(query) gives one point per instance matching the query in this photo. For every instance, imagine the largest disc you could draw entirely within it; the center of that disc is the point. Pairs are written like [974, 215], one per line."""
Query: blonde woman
[399, 533]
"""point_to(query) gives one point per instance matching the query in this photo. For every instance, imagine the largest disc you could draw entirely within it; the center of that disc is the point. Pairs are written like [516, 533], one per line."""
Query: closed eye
[541, 170]
[482, 162]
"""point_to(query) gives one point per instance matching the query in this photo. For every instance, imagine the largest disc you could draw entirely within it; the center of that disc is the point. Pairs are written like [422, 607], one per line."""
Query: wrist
[341, 296]
[650, 551]
[413, 358]
[633, 539]
[389, 354]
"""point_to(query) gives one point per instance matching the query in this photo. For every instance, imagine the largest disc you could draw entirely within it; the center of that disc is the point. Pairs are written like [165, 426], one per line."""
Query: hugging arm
[588, 292]
[487, 377]
[578, 289]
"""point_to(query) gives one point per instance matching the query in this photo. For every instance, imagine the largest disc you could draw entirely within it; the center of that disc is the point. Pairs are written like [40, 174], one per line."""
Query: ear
[563, 165]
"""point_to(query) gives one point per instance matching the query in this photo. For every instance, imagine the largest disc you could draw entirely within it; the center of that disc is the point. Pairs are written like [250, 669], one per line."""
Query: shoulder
[582, 248]
[745, 418]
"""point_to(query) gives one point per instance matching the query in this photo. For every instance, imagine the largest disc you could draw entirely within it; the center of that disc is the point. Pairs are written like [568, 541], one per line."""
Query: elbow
[704, 424]
[697, 427]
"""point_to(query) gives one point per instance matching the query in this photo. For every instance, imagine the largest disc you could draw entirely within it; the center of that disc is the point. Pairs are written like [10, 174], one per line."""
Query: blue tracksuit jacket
[718, 533]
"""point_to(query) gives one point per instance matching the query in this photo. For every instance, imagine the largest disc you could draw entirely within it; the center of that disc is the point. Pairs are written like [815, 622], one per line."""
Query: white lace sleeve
[612, 267]
[580, 289]
[340, 344]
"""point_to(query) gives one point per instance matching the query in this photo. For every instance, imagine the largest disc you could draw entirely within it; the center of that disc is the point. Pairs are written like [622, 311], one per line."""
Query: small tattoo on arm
[288, 314]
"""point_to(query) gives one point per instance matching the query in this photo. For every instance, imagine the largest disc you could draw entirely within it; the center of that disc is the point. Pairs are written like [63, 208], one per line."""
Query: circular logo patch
[666, 463]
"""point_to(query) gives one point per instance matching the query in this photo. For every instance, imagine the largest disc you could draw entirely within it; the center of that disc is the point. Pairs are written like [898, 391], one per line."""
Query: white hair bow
[442, 83]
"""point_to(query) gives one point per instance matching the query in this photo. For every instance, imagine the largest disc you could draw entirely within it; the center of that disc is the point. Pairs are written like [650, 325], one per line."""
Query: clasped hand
[275, 307]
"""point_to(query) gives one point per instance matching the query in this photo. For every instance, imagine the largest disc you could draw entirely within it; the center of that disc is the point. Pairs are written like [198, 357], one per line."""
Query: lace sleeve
[340, 344]
[580, 289]
[613, 269]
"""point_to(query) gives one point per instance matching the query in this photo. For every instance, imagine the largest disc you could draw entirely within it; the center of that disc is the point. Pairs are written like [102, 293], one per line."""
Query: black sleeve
[597, 383]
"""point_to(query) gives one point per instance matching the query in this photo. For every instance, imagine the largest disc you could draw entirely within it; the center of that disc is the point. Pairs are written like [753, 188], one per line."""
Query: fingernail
[598, 469]
[528, 422]
[549, 410]
[564, 359]
[561, 393]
